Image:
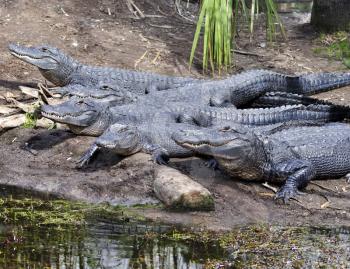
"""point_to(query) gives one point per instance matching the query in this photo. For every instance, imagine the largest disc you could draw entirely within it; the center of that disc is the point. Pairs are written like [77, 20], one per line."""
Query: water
[98, 246]
[106, 245]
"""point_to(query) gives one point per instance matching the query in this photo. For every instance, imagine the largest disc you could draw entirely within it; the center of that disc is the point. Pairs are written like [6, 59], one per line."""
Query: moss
[32, 211]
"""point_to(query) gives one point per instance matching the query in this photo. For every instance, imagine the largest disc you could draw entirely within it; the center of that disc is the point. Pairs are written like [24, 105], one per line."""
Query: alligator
[290, 156]
[269, 99]
[90, 117]
[152, 138]
[155, 139]
[237, 90]
[66, 72]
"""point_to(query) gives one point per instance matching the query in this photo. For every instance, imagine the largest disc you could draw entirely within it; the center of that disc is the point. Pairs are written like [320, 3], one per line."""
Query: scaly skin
[236, 90]
[62, 70]
[155, 138]
[151, 138]
[275, 99]
[88, 117]
[292, 156]
[240, 89]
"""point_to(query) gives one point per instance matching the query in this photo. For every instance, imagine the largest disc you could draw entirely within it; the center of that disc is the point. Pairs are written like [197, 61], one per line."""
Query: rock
[12, 121]
[177, 190]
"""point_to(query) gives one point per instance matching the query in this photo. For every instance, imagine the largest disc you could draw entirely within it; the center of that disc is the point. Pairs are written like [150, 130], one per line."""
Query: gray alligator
[62, 70]
[90, 117]
[293, 156]
[240, 89]
[148, 130]
[237, 90]
[156, 139]
[151, 138]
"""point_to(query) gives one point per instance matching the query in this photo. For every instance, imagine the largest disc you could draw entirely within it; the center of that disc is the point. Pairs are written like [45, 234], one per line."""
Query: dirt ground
[105, 33]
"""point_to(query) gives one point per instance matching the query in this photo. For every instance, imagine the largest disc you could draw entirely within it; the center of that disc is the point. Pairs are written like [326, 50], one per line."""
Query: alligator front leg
[86, 158]
[299, 173]
[159, 154]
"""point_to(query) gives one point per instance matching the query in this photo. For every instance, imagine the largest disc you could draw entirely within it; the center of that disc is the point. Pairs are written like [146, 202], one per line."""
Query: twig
[177, 7]
[248, 53]
[65, 13]
[301, 204]
[156, 58]
[322, 187]
[154, 16]
[161, 26]
[134, 9]
[266, 185]
[140, 59]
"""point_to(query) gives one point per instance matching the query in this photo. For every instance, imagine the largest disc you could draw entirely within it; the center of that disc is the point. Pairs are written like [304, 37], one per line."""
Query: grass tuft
[218, 20]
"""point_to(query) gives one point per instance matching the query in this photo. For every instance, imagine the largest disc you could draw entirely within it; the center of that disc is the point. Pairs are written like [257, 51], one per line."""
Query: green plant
[30, 121]
[219, 18]
[335, 46]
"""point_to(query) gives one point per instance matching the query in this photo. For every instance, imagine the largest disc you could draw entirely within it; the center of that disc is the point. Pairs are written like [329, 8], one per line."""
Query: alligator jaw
[34, 56]
[68, 118]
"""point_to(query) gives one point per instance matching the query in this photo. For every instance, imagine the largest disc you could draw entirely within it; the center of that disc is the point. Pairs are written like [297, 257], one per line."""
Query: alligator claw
[84, 160]
[161, 159]
[286, 193]
[212, 164]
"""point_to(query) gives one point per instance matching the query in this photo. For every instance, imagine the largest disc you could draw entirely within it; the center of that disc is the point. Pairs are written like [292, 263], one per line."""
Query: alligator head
[122, 139]
[236, 149]
[83, 116]
[54, 65]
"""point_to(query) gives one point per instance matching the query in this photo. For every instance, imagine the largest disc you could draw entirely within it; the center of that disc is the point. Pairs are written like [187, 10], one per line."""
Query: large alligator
[62, 70]
[156, 139]
[237, 90]
[152, 138]
[90, 117]
[293, 156]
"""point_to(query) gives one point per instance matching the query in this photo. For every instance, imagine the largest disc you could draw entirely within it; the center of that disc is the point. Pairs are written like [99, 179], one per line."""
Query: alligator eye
[105, 87]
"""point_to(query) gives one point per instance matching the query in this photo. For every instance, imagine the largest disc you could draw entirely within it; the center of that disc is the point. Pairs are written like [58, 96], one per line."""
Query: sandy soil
[105, 33]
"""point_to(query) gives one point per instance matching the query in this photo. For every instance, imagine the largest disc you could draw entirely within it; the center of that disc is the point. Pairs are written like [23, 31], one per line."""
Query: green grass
[335, 46]
[219, 20]
[30, 121]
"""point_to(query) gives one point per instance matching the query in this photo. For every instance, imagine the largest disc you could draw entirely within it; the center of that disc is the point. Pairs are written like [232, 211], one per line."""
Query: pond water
[99, 246]
[106, 245]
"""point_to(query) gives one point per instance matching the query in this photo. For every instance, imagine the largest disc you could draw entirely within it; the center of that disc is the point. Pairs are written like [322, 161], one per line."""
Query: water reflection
[96, 247]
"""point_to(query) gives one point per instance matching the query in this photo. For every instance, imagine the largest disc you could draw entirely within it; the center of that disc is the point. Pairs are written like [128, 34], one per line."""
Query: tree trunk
[331, 15]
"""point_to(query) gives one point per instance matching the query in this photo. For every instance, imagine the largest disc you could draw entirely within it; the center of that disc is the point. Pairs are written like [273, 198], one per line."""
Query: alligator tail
[319, 82]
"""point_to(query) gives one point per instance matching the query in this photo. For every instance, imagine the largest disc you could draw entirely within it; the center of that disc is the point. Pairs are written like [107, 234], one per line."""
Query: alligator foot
[86, 158]
[160, 157]
[287, 192]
